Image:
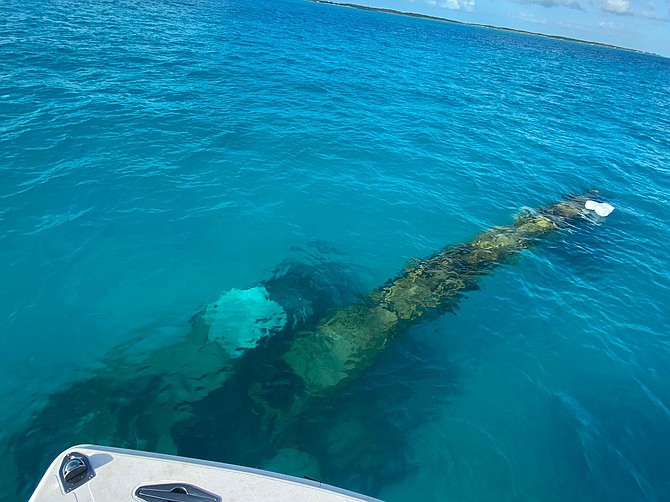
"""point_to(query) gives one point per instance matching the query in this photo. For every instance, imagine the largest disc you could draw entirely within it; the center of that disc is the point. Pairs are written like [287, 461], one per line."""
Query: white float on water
[600, 208]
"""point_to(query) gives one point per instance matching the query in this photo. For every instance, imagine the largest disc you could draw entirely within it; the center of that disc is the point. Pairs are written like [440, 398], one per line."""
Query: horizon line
[479, 25]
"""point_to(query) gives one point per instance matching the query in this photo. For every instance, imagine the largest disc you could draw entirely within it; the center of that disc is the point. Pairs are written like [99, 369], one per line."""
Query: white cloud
[572, 4]
[530, 18]
[609, 25]
[651, 13]
[468, 5]
[624, 8]
[621, 7]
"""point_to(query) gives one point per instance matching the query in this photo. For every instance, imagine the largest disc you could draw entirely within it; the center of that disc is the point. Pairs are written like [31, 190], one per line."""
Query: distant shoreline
[476, 25]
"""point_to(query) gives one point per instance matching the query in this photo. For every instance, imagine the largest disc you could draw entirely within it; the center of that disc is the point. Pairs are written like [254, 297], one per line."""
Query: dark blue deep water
[154, 155]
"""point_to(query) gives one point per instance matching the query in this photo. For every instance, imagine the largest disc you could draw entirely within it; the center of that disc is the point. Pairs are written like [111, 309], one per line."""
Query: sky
[636, 24]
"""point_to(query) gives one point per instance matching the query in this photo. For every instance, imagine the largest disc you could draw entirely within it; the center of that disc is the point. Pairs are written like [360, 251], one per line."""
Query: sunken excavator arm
[347, 341]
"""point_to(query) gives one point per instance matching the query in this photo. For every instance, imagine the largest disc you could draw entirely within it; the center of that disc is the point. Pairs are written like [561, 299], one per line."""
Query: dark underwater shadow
[354, 437]
[134, 399]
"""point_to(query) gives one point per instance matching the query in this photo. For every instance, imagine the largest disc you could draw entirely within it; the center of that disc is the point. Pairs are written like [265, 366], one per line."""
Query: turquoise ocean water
[154, 155]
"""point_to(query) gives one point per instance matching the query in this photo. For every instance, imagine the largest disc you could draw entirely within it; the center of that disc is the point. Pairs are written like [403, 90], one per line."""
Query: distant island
[491, 27]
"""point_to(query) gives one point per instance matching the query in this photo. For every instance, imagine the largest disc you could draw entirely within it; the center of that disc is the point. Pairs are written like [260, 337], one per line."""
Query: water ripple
[155, 154]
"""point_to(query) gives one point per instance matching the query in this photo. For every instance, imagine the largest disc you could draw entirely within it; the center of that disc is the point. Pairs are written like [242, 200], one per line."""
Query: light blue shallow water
[156, 154]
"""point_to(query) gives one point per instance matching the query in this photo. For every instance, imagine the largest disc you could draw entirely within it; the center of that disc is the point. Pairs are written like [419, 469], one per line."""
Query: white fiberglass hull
[97, 473]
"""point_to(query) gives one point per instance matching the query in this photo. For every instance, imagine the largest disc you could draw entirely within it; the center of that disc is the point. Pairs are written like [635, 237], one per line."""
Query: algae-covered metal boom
[346, 341]
[319, 358]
